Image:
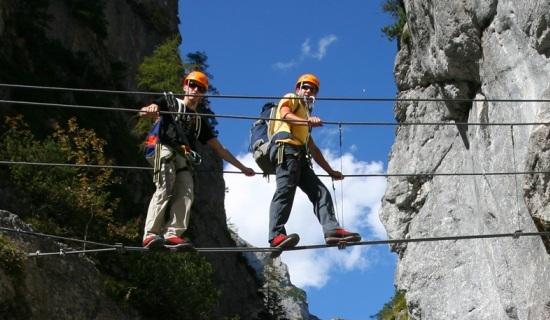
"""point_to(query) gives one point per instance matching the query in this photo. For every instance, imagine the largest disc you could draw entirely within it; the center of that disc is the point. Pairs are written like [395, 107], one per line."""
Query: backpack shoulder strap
[271, 123]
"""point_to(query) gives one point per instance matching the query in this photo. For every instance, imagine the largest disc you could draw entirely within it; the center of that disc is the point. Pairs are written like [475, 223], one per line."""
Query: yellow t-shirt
[299, 134]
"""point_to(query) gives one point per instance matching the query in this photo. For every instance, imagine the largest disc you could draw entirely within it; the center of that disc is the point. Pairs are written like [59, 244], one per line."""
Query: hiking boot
[341, 235]
[283, 241]
[178, 244]
[153, 241]
[175, 240]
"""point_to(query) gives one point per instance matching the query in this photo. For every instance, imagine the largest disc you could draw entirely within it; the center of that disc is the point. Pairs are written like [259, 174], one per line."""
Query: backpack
[151, 142]
[260, 138]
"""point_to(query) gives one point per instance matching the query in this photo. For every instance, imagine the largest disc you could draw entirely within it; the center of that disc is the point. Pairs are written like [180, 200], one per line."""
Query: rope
[241, 117]
[11, 85]
[335, 201]
[73, 165]
[515, 177]
[63, 252]
[515, 235]
[54, 237]
[341, 170]
[120, 248]
[123, 249]
[386, 175]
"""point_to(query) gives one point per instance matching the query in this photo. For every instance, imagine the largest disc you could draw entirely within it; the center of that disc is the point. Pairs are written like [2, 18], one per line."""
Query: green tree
[173, 286]
[62, 199]
[272, 292]
[395, 309]
[164, 70]
[11, 258]
[396, 8]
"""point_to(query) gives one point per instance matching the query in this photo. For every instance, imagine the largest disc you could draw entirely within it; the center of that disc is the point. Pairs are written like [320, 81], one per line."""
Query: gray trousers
[174, 192]
[295, 171]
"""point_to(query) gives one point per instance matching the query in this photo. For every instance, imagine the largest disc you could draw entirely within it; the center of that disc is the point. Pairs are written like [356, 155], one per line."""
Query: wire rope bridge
[121, 248]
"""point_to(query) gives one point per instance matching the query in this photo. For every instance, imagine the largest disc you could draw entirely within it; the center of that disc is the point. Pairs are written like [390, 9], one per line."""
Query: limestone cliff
[49, 287]
[99, 44]
[476, 49]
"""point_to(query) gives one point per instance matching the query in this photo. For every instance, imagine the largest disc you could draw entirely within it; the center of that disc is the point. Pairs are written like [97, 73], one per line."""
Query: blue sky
[260, 48]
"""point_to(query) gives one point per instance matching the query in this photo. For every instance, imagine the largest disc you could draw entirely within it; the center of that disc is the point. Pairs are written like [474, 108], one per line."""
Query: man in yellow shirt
[291, 151]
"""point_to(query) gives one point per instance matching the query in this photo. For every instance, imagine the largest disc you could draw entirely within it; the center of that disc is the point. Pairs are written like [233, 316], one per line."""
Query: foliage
[165, 285]
[75, 201]
[12, 305]
[396, 8]
[198, 61]
[395, 309]
[272, 293]
[64, 199]
[11, 258]
[164, 70]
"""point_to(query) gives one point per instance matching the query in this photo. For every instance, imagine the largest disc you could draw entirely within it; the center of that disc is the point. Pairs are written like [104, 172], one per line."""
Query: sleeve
[289, 101]
[161, 102]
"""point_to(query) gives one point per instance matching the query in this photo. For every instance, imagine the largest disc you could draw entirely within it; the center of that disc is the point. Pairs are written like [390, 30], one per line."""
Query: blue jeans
[295, 171]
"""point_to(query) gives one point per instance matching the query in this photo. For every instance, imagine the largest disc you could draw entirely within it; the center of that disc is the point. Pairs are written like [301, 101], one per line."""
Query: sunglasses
[309, 87]
[196, 85]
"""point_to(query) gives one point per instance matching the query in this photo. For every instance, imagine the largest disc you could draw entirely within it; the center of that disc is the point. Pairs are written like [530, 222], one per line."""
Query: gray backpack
[260, 138]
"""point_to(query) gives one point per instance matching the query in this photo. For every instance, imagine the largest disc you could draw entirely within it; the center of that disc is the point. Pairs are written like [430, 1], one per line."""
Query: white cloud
[323, 45]
[247, 206]
[306, 49]
[284, 65]
[306, 52]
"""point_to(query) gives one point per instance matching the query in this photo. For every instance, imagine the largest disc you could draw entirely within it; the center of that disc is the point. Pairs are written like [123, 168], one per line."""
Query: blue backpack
[152, 141]
[260, 138]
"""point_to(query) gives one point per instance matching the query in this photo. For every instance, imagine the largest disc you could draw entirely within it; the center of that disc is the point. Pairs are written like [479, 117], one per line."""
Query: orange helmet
[198, 77]
[308, 77]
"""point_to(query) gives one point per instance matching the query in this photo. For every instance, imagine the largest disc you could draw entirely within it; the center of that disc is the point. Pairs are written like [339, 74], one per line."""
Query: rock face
[234, 277]
[52, 287]
[472, 50]
[131, 30]
[281, 297]
[134, 28]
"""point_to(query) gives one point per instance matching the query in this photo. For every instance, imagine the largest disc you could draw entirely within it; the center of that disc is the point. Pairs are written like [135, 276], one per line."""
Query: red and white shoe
[283, 241]
[175, 243]
[341, 235]
[153, 241]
